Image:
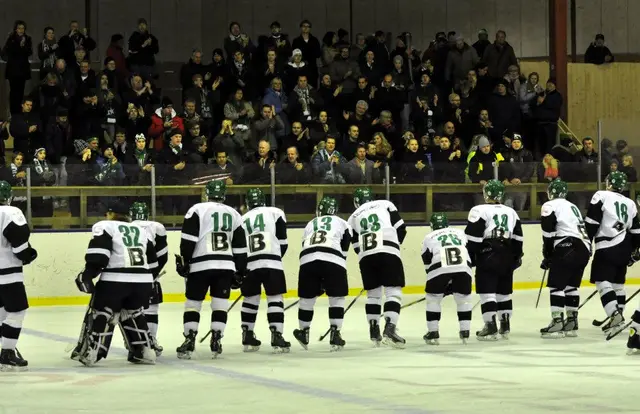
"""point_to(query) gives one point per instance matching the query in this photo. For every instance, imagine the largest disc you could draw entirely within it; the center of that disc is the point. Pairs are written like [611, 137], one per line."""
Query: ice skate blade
[13, 368]
[464, 341]
[376, 342]
[391, 343]
[335, 348]
[633, 351]
[432, 342]
[303, 345]
[280, 350]
[143, 362]
[505, 336]
[488, 338]
[215, 355]
[571, 334]
[553, 335]
[251, 348]
[184, 355]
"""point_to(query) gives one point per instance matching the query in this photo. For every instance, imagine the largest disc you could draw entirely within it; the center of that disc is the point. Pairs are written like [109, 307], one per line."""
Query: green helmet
[255, 198]
[493, 191]
[216, 190]
[557, 189]
[139, 211]
[616, 181]
[362, 195]
[328, 207]
[439, 221]
[5, 192]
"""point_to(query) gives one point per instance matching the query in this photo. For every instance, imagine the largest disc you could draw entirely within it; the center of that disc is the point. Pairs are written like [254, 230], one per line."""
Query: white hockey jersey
[158, 234]
[377, 227]
[14, 244]
[609, 217]
[121, 252]
[444, 251]
[326, 238]
[266, 229]
[562, 219]
[488, 222]
[213, 238]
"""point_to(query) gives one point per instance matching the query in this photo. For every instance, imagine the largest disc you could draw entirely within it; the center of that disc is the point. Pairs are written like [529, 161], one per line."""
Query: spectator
[320, 128]
[87, 117]
[19, 179]
[190, 114]
[139, 162]
[173, 172]
[241, 76]
[109, 171]
[329, 50]
[192, 132]
[547, 113]
[140, 93]
[410, 56]
[193, 67]
[584, 171]
[414, 167]
[453, 112]
[514, 80]
[42, 175]
[80, 55]
[628, 168]
[383, 148]
[115, 51]
[390, 134]
[224, 166]
[47, 97]
[362, 170]
[548, 169]
[205, 100]
[304, 102]
[425, 67]
[448, 167]
[461, 59]
[389, 98]
[275, 98]
[292, 170]
[357, 50]
[481, 166]
[483, 41]
[116, 82]
[85, 79]
[527, 95]
[259, 171]
[110, 107]
[66, 79]
[271, 70]
[350, 146]
[344, 72]
[26, 129]
[504, 109]
[241, 112]
[378, 46]
[48, 51]
[134, 122]
[329, 166]
[597, 53]
[622, 149]
[309, 45]
[519, 168]
[278, 42]
[75, 38]
[143, 48]
[364, 92]
[330, 95]
[230, 143]
[371, 69]
[16, 52]
[200, 155]
[499, 56]
[58, 139]
[165, 121]
[269, 126]
[295, 68]
[238, 41]
[298, 138]
[120, 145]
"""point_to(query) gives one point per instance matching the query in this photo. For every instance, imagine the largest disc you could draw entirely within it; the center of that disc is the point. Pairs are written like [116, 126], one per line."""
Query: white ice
[525, 374]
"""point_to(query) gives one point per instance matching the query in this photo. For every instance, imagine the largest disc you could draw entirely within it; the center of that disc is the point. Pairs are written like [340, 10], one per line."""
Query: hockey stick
[292, 305]
[476, 305]
[413, 303]
[587, 300]
[345, 311]
[544, 276]
[600, 323]
[204, 338]
[614, 334]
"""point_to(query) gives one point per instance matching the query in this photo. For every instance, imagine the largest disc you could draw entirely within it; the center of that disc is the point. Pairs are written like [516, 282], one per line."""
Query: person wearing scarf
[48, 51]
[44, 176]
[138, 162]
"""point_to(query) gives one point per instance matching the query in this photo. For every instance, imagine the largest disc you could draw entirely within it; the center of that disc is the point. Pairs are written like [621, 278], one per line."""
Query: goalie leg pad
[136, 331]
[98, 342]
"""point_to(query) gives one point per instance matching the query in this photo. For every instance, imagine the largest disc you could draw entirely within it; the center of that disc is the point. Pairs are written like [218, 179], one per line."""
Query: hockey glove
[517, 263]
[84, 284]
[236, 282]
[545, 265]
[182, 268]
[33, 256]
[635, 256]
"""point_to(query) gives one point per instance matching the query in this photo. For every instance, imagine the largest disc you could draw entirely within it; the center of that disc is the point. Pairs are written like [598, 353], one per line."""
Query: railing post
[272, 179]
[533, 201]
[83, 209]
[495, 170]
[599, 167]
[387, 182]
[29, 204]
[428, 202]
[153, 192]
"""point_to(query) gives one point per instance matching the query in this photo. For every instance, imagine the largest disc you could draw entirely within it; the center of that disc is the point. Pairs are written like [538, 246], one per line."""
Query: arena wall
[50, 280]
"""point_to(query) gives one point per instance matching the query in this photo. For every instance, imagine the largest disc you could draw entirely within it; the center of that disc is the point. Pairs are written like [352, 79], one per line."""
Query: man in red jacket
[164, 120]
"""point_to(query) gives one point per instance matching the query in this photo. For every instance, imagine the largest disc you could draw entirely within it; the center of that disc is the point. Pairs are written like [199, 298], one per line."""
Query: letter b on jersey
[453, 256]
[219, 242]
[257, 243]
[369, 241]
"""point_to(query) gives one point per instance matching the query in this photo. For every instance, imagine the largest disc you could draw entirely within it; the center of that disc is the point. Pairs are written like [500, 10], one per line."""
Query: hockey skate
[505, 326]
[90, 357]
[142, 355]
[615, 322]
[555, 328]
[11, 360]
[156, 346]
[302, 336]
[75, 354]
[571, 324]
[432, 338]
[336, 342]
[633, 344]
[374, 332]
[216, 344]
[489, 332]
[464, 337]
[249, 340]
[188, 346]
[280, 346]
[391, 336]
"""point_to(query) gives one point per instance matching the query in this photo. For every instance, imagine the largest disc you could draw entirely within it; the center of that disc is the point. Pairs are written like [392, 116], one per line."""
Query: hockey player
[612, 222]
[323, 267]
[494, 235]
[15, 252]
[123, 256]
[377, 233]
[139, 213]
[566, 249]
[446, 261]
[213, 248]
[266, 229]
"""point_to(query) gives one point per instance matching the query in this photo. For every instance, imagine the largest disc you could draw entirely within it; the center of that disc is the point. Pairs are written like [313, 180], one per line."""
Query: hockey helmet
[493, 190]
[255, 198]
[216, 190]
[361, 196]
[328, 207]
[439, 221]
[557, 189]
[616, 181]
[5, 192]
[139, 211]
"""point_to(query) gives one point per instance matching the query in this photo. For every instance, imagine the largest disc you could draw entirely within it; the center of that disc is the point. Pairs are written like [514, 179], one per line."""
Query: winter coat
[460, 62]
[17, 57]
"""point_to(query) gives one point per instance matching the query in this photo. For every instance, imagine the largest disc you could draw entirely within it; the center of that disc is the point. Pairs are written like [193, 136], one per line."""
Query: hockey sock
[373, 307]
[137, 331]
[505, 305]
[392, 304]
[151, 313]
[275, 312]
[434, 310]
[191, 316]
[488, 306]
[305, 312]
[219, 314]
[3, 316]
[607, 297]
[621, 295]
[249, 311]
[571, 299]
[464, 310]
[336, 311]
[11, 327]
[557, 300]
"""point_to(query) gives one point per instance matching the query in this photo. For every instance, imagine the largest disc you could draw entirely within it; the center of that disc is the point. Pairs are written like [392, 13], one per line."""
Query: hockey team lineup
[221, 250]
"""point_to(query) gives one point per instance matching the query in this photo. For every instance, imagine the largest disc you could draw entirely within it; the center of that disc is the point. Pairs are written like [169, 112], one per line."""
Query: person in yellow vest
[482, 165]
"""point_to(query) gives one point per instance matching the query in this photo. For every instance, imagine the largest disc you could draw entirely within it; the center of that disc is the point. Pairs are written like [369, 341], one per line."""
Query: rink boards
[50, 280]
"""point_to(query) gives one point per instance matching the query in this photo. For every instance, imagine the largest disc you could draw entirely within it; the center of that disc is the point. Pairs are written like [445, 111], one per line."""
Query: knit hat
[80, 145]
[516, 137]
[296, 52]
[483, 142]
[167, 102]
[35, 154]
[173, 133]
[482, 32]
[91, 139]
[140, 138]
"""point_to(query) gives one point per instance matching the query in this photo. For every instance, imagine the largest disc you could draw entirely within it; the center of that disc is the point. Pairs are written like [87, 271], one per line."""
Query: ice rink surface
[525, 374]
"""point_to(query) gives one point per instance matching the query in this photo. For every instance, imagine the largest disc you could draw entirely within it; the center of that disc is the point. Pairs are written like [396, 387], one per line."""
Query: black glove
[635, 256]
[517, 263]
[182, 268]
[84, 284]
[236, 281]
[546, 264]
[34, 255]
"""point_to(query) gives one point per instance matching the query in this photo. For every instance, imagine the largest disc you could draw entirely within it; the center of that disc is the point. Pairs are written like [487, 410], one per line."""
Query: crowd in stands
[315, 110]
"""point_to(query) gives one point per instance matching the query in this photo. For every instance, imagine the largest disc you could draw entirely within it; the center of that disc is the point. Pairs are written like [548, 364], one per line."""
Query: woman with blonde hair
[383, 148]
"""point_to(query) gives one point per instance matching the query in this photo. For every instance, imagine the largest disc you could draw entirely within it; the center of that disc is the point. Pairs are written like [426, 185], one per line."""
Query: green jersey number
[323, 224]
[449, 240]
[581, 227]
[621, 211]
[258, 224]
[131, 241]
[371, 223]
[502, 226]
